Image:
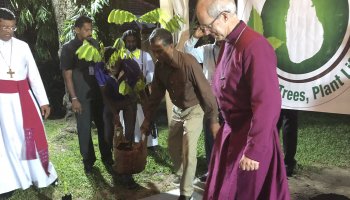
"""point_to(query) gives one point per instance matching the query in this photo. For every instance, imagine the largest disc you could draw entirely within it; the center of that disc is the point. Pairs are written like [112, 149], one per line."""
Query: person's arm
[149, 65]
[189, 46]
[36, 83]
[260, 73]
[158, 92]
[205, 96]
[67, 72]
[67, 75]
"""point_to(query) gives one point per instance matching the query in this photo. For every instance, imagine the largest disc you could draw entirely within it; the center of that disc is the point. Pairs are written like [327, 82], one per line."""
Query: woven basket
[130, 160]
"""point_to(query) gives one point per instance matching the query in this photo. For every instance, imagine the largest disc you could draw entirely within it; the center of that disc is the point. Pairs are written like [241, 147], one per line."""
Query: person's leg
[290, 139]
[280, 121]
[97, 115]
[108, 120]
[208, 144]
[208, 139]
[84, 136]
[175, 144]
[193, 125]
[129, 115]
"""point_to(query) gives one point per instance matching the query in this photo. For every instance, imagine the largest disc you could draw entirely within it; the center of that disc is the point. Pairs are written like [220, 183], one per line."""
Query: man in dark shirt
[85, 95]
[182, 76]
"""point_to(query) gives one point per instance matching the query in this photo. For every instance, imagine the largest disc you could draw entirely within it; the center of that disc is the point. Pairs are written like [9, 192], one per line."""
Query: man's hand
[76, 106]
[198, 33]
[45, 111]
[215, 128]
[145, 127]
[247, 164]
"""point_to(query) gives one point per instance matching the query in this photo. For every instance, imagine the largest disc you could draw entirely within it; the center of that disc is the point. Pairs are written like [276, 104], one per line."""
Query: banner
[311, 41]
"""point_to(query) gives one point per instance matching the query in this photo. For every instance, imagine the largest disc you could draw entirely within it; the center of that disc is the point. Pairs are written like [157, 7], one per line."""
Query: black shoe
[67, 197]
[54, 183]
[88, 165]
[88, 168]
[183, 197]
[6, 195]
[127, 181]
[152, 148]
[108, 161]
[204, 177]
[290, 169]
[131, 184]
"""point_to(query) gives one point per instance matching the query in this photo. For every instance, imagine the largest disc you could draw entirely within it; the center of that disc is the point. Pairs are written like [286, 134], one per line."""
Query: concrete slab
[174, 194]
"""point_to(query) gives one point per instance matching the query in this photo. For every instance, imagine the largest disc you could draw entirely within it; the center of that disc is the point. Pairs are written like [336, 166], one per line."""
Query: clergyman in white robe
[15, 171]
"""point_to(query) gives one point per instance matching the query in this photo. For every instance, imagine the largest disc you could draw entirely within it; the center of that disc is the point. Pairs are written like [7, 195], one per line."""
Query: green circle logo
[293, 24]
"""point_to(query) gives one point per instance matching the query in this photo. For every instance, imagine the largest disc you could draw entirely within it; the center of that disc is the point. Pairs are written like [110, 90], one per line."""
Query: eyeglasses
[8, 28]
[210, 26]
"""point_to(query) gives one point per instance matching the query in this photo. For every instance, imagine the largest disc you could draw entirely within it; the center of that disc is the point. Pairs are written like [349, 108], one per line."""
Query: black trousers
[288, 122]
[129, 116]
[91, 111]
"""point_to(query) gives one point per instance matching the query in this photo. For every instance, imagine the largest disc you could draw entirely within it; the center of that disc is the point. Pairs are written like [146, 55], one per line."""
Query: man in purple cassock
[246, 162]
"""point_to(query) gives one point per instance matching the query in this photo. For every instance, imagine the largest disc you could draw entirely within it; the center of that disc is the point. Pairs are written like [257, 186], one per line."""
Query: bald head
[212, 8]
[217, 17]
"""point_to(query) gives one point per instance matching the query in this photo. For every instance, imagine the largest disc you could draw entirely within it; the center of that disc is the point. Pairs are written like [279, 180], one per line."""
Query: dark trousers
[208, 140]
[288, 121]
[129, 115]
[91, 111]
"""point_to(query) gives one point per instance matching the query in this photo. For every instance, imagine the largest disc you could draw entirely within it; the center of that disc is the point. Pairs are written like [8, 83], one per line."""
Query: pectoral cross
[10, 72]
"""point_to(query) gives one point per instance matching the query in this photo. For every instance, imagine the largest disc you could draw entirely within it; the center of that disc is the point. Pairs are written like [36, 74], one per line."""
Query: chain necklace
[223, 72]
[10, 72]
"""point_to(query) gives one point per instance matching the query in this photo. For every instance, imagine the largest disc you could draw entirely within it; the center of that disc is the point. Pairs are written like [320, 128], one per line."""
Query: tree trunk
[64, 10]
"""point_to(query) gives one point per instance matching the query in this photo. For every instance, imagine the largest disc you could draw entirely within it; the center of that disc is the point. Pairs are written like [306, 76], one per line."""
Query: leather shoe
[88, 168]
[183, 197]
[54, 183]
[204, 177]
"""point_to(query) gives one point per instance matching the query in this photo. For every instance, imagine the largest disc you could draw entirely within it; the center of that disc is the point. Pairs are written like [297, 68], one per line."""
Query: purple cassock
[246, 86]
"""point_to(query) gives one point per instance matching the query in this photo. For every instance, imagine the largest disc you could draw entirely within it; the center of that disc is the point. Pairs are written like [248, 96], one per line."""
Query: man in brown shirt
[181, 75]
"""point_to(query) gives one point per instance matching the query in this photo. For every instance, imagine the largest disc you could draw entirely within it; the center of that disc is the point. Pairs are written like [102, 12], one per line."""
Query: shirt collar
[175, 60]
[235, 33]
[77, 42]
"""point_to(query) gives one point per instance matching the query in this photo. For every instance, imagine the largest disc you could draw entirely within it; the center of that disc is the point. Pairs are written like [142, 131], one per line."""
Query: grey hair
[219, 6]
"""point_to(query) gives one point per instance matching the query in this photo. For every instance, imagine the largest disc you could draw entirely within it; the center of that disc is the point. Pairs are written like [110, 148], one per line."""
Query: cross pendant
[10, 72]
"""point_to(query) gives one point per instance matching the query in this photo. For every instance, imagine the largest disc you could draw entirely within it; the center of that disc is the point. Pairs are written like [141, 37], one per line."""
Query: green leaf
[97, 6]
[152, 16]
[119, 44]
[174, 24]
[43, 15]
[124, 88]
[140, 85]
[121, 17]
[26, 17]
[256, 20]
[136, 54]
[96, 56]
[113, 59]
[155, 16]
[88, 52]
[275, 42]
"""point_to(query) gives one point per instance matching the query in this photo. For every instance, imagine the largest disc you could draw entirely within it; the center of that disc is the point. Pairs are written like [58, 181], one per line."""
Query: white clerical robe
[15, 171]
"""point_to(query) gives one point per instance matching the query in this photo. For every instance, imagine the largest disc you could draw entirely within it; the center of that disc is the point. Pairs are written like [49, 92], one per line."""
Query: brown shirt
[187, 86]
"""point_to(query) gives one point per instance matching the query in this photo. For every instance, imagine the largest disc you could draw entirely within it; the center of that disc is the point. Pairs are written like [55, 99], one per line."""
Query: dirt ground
[312, 184]
[321, 184]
